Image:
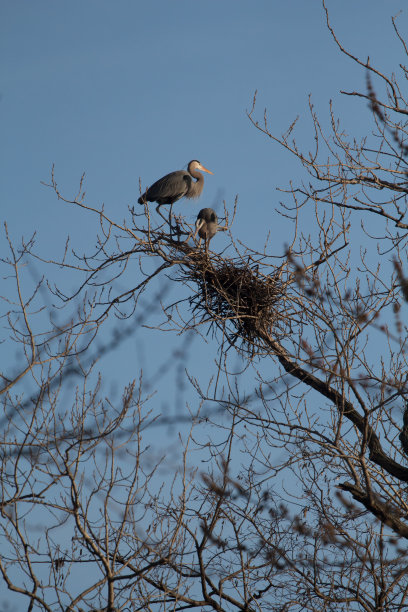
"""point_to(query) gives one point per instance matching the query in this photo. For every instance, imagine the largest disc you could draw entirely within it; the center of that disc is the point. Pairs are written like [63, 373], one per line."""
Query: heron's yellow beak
[205, 169]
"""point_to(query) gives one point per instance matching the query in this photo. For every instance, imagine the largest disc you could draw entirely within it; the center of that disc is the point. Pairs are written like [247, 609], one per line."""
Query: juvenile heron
[176, 185]
[206, 225]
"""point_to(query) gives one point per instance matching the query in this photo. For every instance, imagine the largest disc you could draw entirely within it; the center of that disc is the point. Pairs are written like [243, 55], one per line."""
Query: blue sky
[128, 89]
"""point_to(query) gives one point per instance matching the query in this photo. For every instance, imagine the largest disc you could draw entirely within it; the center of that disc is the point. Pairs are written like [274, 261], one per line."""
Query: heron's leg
[170, 225]
[158, 211]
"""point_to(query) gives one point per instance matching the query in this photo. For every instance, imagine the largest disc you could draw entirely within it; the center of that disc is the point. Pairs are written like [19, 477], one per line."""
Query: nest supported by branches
[237, 298]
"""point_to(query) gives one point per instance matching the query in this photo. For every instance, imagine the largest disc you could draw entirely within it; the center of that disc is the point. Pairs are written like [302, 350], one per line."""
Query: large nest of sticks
[238, 298]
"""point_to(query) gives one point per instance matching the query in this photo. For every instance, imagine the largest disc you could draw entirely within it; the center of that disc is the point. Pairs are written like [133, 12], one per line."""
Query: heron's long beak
[205, 169]
[199, 223]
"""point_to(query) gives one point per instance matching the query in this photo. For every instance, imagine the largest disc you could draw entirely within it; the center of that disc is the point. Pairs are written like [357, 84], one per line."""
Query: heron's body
[176, 185]
[207, 224]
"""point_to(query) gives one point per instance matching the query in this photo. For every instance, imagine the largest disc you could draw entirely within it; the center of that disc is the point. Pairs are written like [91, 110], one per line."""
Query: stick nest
[235, 293]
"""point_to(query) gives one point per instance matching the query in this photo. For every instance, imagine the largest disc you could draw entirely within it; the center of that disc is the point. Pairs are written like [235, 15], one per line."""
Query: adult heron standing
[206, 225]
[176, 185]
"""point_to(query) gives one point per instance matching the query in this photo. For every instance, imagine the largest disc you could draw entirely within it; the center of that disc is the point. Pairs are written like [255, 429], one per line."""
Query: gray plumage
[207, 224]
[176, 185]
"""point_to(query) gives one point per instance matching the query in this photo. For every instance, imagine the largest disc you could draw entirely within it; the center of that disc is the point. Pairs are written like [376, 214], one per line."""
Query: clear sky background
[128, 89]
[131, 89]
[122, 89]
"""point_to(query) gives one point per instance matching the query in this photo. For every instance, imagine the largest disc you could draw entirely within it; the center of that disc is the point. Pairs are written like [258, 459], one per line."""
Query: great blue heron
[176, 185]
[206, 225]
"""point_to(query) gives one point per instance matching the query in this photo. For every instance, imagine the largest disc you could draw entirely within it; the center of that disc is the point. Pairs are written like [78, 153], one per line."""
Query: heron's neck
[197, 175]
[197, 187]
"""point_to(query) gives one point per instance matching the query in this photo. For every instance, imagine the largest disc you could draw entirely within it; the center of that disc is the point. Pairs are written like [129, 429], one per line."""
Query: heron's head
[195, 165]
[206, 215]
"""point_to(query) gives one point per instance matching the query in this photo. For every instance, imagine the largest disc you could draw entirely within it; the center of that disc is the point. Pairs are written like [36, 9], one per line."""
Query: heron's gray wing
[170, 188]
